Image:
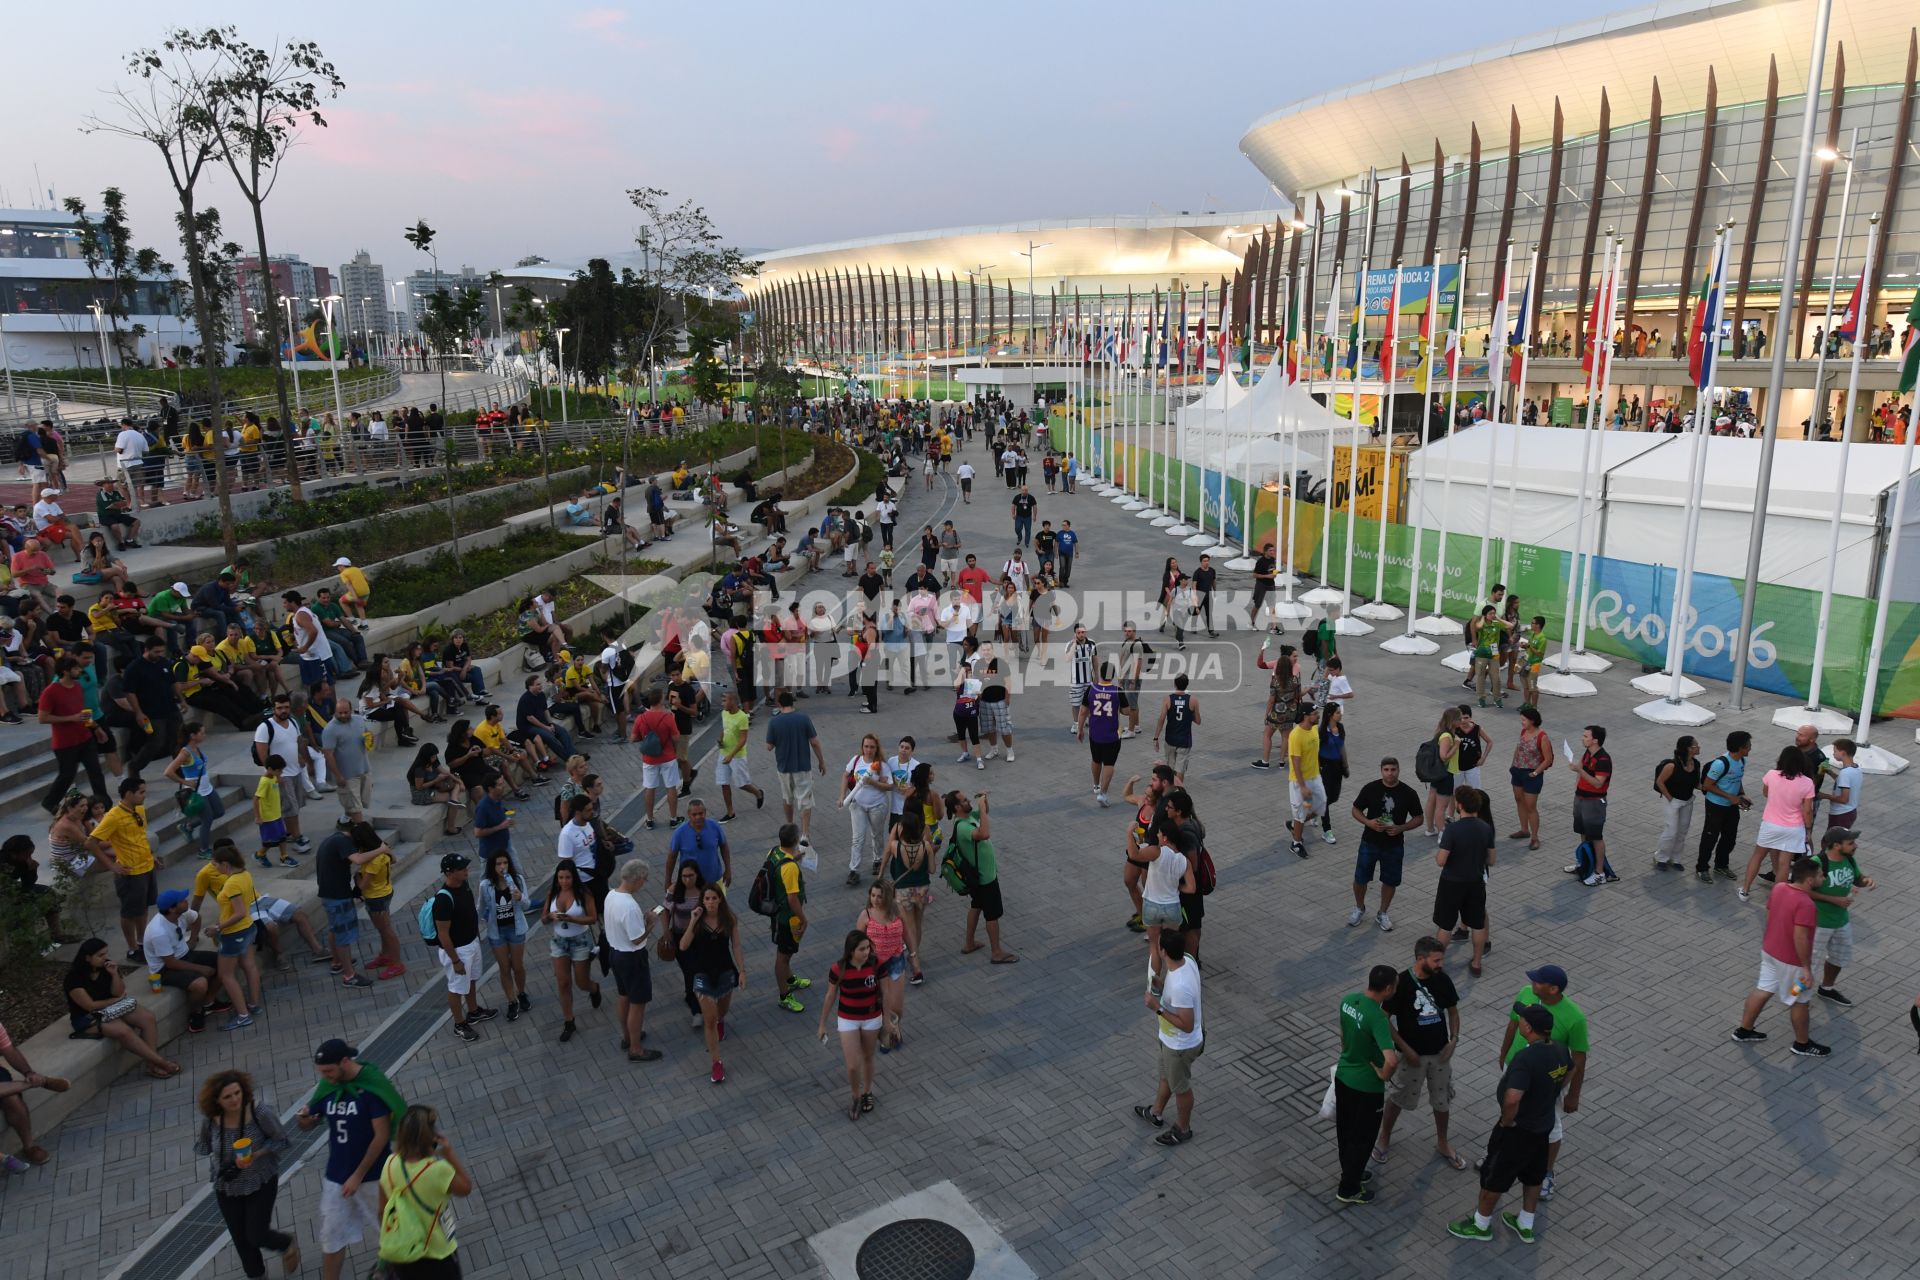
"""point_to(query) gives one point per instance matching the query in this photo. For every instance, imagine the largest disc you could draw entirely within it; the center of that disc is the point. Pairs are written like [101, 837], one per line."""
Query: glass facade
[27, 296]
[41, 240]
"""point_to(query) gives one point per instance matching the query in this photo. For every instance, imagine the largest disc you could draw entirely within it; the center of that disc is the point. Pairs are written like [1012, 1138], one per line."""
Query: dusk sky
[516, 129]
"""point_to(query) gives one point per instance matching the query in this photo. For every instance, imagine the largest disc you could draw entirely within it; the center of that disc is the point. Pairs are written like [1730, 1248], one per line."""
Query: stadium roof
[1331, 138]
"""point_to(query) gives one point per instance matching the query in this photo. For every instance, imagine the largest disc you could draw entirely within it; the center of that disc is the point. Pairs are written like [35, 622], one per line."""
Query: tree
[681, 257]
[255, 101]
[420, 236]
[166, 111]
[107, 245]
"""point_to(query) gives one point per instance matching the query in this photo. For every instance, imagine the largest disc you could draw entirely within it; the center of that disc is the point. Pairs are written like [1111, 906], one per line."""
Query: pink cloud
[469, 133]
[840, 143]
[597, 19]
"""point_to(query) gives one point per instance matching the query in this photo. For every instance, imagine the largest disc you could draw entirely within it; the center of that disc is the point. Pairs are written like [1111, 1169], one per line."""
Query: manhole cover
[915, 1249]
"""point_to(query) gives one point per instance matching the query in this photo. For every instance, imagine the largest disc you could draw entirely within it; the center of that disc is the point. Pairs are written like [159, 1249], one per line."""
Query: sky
[518, 129]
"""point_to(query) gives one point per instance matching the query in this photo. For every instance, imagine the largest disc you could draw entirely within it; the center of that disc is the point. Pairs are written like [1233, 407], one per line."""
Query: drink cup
[243, 1152]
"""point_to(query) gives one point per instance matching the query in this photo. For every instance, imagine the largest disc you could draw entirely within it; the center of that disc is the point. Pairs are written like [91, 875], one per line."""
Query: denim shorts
[236, 944]
[343, 921]
[507, 936]
[715, 986]
[1389, 861]
[376, 906]
[578, 948]
[1165, 915]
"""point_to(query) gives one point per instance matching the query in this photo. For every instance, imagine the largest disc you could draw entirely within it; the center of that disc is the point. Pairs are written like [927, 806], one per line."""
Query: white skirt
[1775, 836]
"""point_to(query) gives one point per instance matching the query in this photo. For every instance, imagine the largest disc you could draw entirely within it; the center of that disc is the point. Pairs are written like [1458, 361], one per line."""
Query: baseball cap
[342, 563]
[172, 898]
[50, 493]
[1837, 835]
[182, 588]
[1551, 974]
[453, 862]
[1538, 1017]
[332, 1053]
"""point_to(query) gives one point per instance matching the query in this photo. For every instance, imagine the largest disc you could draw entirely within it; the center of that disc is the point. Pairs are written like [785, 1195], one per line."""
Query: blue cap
[171, 898]
[1551, 974]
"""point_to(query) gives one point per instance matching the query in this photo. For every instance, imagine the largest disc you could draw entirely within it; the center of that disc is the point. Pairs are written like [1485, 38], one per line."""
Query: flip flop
[1457, 1160]
[969, 950]
[1473, 968]
[1007, 959]
[1378, 1155]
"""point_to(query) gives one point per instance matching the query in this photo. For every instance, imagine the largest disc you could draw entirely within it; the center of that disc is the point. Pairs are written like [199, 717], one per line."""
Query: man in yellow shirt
[1306, 792]
[250, 437]
[355, 591]
[242, 658]
[577, 687]
[732, 771]
[120, 841]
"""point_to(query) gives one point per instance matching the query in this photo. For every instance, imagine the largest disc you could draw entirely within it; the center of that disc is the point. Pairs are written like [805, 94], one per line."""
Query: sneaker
[1363, 1196]
[791, 1005]
[1546, 1186]
[799, 984]
[1135, 924]
[1354, 916]
[1746, 1035]
[1468, 1229]
[465, 1032]
[1009, 755]
[288, 860]
[1594, 880]
[1573, 870]
[482, 1014]
[1328, 836]
[1460, 934]
[979, 764]
[237, 1022]
[513, 1011]
[1385, 922]
[1833, 994]
[1744, 895]
[1767, 876]
[263, 860]
[853, 879]
[993, 753]
[699, 1023]
[358, 981]
[305, 845]
[719, 1073]
[963, 757]
[1610, 877]
[1810, 1049]
[14, 1164]
[1261, 764]
[1725, 873]
[1101, 796]
[1704, 877]
[525, 1004]
[1513, 1224]
[1299, 850]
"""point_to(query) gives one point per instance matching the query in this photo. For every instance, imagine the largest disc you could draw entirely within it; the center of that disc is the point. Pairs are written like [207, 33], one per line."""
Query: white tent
[1263, 420]
[1642, 482]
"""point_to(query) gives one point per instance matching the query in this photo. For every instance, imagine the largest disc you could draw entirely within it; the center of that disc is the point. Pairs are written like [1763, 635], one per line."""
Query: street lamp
[333, 363]
[560, 337]
[6, 361]
[293, 356]
[1029, 253]
[366, 323]
[106, 364]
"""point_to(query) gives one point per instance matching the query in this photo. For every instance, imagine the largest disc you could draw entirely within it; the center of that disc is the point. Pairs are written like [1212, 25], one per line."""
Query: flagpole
[1244, 561]
[1223, 338]
[1525, 330]
[1672, 708]
[1872, 759]
[1379, 609]
[1180, 528]
[1326, 593]
[1563, 682]
[1407, 643]
[1436, 622]
[1580, 659]
[1200, 537]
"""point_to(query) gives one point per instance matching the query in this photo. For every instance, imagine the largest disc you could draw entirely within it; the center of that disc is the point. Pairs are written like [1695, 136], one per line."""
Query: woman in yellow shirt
[376, 894]
[235, 896]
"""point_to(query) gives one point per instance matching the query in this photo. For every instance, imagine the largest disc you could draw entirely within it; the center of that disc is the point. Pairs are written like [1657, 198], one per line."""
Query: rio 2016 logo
[1609, 612]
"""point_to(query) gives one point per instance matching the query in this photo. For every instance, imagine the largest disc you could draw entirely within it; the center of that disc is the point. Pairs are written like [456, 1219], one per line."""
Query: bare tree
[681, 255]
[165, 109]
[257, 100]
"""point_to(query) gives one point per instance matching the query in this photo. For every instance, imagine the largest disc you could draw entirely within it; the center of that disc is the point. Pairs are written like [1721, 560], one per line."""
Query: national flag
[1293, 336]
[1594, 333]
[1166, 324]
[1332, 326]
[1353, 329]
[1849, 322]
[1499, 324]
[1180, 335]
[1910, 350]
[1703, 343]
[1423, 372]
[1206, 304]
[1389, 338]
[1517, 339]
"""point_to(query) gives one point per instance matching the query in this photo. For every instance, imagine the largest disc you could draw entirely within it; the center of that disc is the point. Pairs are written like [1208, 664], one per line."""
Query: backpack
[1670, 760]
[401, 1239]
[766, 888]
[961, 874]
[1203, 874]
[1310, 642]
[1428, 767]
[429, 931]
[20, 447]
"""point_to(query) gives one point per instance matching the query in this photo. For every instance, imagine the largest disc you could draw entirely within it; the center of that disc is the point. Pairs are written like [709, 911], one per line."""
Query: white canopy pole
[1436, 622]
[1325, 594]
[1379, 609]
[1408, 643]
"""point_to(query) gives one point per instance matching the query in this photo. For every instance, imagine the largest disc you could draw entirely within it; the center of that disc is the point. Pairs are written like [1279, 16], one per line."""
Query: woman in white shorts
[569, 913]
[1784, 821]
[855, 996]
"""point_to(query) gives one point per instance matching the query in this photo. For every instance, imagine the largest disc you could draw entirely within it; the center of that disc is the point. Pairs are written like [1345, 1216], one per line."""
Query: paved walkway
[1690, 1156]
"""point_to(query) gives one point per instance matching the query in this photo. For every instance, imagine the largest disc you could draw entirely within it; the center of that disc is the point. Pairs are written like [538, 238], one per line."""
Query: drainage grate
[915, 1249]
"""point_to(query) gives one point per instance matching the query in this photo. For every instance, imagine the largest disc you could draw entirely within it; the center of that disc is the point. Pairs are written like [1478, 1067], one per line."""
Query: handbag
[118, 1009]
[1327, 1103]
[669, 946]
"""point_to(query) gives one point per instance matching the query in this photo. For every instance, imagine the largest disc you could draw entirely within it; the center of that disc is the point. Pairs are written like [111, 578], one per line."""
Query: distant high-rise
[363, 283]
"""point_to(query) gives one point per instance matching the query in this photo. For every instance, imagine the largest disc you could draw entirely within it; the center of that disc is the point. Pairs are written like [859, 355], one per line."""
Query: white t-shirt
[377, 429]
[1164, 874]
[280, 740]
[864, 793]
[1010, 459]
[964, 471]
[166, 939]
[902, 771]
[130, 445]
[886, 513]
[1340, 692]
[45, 512]
[1848, 779]
[1182, 991]
[576, 842]
[1017, 571]
[954, 619]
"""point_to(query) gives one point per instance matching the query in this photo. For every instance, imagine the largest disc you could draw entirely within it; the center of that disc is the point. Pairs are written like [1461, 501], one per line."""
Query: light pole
[366, 324]
[560, 339]
[106, 363]
[1029, 253]
[293, 357]
[333, 365]
[499, 334]
[6, 360]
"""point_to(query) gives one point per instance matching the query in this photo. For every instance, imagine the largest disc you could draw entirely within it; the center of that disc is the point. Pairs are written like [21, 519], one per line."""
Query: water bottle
[153, 980]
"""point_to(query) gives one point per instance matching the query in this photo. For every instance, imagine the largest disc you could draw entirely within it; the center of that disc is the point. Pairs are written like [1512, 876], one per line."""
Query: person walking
[882, 922]
[63, 708]
[571, 913]
[236, 928]
[1834, 900]
[1333, 763]
[119, 839]
[243, 1143]
[1179, 713]
[1283, 700]
[1517, 1149]
[866, 787]
[1425, 1016]
[1465, 857]
[1367, 1061]
[1181, 1032]
[711, 946]
[733, 770]
[1440, 780]
[1306, 792]
[973, 841]
[1097, 722]
[503, 920]
[656, 732]
[417, 1185]
[1786, 958]
[1722, 782]
[787, 895]
[911, 852]
[359, 1107]
[1487, 632]
[1547, 987]
[627, 929]
[456, 923]
[854, 985]
[1676, 779]
[1386, 809]
[791, 737]
[1532, 757]
[1789, 793]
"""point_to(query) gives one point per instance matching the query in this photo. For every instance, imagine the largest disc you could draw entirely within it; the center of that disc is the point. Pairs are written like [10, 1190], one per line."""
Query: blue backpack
[429, 931]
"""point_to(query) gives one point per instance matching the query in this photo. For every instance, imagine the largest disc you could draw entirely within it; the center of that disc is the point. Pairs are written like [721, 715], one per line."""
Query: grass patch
[492, 633]
[410, 588]
[240, 383]
[831, 460]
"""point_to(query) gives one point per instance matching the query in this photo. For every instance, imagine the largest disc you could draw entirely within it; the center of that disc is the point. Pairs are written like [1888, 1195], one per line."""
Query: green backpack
[961, 872]
[406, 1232]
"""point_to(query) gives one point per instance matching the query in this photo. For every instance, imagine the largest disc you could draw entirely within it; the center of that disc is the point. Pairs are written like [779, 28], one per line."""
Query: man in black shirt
[871, 584]
[1024, 504]
[1424, 1016]
[456, 921]
[69, 626]
[150, 699]
[1264, 566]
[922, 577]
[1204, 576]
[337, 860]
[1386, 810]
[1043, 541]
[1465, 855]
[456, 658]
[1517, 1148]
[530, 717]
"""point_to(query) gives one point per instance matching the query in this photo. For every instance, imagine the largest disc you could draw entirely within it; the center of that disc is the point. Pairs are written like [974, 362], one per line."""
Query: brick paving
[1690, 1156]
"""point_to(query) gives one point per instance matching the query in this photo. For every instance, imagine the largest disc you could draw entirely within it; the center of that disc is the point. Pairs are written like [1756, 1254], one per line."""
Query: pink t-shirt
[1787, 907]
[1784, 797]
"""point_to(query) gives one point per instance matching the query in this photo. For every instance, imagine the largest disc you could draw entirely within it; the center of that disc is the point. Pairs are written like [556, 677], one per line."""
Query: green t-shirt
[329, 612]
[166, 600]
[733, 732]
[986, 868]
[1364, 1041]
[1842, 874]
[423, 1194]
[1329, 640]
[1486, 637]
[1569, 1023]
[1536, 647]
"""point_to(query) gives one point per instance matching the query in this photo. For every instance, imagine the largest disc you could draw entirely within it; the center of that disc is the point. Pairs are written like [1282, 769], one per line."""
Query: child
[266, 813]
[355, 591]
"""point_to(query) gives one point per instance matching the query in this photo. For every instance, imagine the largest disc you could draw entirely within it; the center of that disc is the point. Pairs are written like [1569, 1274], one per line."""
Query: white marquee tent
[1641, 479]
